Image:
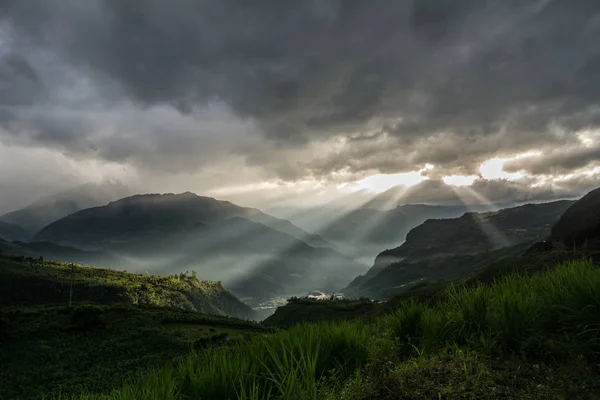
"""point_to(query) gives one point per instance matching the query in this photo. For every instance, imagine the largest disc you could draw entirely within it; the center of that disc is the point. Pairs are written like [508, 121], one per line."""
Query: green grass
[518, 313]
[288, 364]
[456, 373]
[477, 341]
[92, 348]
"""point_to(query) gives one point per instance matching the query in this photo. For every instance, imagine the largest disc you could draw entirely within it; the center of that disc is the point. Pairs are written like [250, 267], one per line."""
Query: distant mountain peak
[48, 209]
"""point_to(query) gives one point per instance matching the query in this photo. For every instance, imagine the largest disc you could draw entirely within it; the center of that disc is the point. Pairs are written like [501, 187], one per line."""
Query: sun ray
[230, 271]
[494, 235]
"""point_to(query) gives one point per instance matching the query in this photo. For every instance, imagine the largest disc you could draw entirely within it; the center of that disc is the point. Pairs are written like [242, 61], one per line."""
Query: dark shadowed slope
[580, 222]
[56, 252]
[12, 232]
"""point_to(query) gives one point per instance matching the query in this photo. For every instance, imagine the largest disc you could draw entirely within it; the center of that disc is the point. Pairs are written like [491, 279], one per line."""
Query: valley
[150, 326]
[267, 260]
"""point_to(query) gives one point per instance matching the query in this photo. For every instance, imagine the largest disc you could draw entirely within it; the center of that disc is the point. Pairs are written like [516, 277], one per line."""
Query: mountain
[478, 232]
[148, 214]
[12, 232]
[580, 224]
[440, 248]
[365, 231]
[220, 240]
[361, 224]
[287, 227]
[391, 226]
[48, 209]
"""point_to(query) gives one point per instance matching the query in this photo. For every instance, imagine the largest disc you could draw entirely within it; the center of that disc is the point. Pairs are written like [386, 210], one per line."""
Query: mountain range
[382, 222]
[258, 256]
[448, 248]
[253, 253]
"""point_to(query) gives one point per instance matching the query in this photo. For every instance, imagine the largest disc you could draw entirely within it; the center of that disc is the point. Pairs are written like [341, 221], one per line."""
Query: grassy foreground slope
[524, 336]
[50, 351]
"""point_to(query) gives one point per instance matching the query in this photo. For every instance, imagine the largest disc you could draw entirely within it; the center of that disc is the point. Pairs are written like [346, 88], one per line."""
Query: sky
[280, 103]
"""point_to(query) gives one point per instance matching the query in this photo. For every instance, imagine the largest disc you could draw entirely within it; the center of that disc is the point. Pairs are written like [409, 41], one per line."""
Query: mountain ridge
[473, 238]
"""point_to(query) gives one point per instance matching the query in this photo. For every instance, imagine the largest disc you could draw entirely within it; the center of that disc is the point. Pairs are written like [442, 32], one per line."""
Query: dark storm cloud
[447, 82]
[19, 83]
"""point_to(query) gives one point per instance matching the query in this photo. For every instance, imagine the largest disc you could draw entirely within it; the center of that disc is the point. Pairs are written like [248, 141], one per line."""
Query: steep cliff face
[580, 222]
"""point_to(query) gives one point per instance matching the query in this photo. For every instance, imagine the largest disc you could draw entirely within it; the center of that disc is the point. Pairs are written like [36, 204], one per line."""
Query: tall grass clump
[573, 294]
[515, 313]
[406, 325]
[469, 308]
[518, 313]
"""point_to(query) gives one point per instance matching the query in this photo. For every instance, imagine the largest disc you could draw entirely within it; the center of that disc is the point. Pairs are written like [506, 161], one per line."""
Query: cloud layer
[329, 91]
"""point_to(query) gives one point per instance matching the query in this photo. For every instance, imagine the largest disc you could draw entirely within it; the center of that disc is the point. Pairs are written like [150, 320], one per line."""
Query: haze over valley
[263, 259]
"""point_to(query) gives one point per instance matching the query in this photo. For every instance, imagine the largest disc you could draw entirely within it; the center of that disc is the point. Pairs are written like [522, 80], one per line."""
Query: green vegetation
[299, 310]
[523, 336]
[120, 324]
[60, 350]
[29, 281]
